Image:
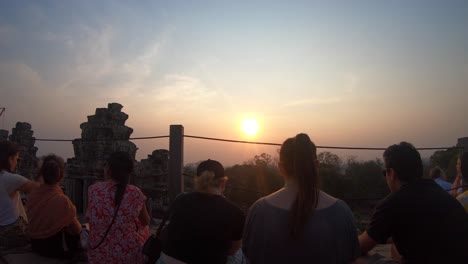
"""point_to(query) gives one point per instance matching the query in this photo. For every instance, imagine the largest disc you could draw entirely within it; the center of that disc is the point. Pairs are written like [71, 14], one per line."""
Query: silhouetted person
[117, 215]
[300, 223]
[438, 175]
[426, 224]
[204, 226]
[462, 179]
[52, 216]
[13, 219]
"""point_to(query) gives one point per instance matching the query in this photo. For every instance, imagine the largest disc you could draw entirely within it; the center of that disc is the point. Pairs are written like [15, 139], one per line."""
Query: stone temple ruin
[104, 133]
[23, 136]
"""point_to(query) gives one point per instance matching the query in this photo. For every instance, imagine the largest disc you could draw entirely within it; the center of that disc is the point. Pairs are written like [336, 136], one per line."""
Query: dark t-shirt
[202, 227]
[426, 224]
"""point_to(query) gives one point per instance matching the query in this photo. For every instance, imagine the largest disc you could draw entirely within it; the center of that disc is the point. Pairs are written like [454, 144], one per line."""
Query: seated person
[438, 175]
[300, 223]
[204, 227]
[426, 224]
[52, 216]
[462, 173]
[117, 215]
[13, 220]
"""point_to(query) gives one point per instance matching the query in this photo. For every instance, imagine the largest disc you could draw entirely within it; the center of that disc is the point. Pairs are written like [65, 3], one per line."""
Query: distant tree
[255, 178]
[331, 178]
[329, 160]
[263, 159]
[366, 179]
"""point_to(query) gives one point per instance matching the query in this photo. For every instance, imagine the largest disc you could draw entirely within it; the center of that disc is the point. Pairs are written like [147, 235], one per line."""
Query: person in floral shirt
[117, 215]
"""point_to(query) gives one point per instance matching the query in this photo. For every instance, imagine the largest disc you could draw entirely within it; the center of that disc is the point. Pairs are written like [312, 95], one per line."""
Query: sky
[347, 73]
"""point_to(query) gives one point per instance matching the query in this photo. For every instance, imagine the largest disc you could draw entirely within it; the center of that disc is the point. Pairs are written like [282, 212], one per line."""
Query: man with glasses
[425, 223]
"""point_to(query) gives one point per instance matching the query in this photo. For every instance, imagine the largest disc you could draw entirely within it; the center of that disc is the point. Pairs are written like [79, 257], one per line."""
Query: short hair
[52, 169]
[436, 172]
[7, 149]
[405, 160]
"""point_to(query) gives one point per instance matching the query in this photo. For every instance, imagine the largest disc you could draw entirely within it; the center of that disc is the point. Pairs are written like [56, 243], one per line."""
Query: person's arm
[74, 228]
[28, 186]
[144, 216]
[366, 243]
[456, 184]
[235, 246]
[395, 254]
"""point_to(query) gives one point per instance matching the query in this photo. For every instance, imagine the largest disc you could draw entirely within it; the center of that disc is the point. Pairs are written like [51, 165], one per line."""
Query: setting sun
[250, 126]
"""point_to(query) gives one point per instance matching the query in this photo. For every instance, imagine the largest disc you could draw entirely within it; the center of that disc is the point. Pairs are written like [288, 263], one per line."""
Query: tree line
[358, 182]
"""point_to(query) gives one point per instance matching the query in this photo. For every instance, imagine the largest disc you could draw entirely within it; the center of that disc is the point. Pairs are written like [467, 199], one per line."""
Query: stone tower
[151, 177]
[103, 133]
[23, 136]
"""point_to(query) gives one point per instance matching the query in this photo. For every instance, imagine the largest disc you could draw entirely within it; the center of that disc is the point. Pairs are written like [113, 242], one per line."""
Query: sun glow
[250, 126]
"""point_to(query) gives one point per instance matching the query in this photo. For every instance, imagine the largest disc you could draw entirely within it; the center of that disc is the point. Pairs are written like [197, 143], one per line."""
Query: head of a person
[462, 166]
[210, 177]
[298, 163]
[9, 155]
[436, 173]
[52, 169]
[119, 167]
[403, 164]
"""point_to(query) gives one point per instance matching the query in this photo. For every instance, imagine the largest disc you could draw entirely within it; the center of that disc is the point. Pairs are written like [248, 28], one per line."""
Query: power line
[323, 147]
[231, 141]
[94, 140]
[234, 141]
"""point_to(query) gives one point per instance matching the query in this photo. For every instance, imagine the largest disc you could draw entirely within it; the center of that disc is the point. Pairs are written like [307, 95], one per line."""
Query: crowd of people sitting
[424, 219]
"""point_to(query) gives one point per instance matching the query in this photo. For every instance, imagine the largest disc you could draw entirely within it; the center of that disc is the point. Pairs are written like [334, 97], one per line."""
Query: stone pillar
[176, 161]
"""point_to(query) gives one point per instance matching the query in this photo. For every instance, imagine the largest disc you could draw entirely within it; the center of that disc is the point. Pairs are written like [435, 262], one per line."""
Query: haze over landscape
[348, 73]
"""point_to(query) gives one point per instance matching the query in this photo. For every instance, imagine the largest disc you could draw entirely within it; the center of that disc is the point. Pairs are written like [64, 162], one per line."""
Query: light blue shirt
[445, 185]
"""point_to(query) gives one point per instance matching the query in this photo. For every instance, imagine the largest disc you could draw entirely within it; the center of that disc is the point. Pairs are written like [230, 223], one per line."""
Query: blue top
[330, 236]
[445, 185]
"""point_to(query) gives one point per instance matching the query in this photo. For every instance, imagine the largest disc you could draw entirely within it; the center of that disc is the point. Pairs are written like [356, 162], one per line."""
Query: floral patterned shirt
[126, 236]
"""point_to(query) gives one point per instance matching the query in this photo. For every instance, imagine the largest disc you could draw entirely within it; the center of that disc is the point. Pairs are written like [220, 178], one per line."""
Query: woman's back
[329, 236]
[123, 242]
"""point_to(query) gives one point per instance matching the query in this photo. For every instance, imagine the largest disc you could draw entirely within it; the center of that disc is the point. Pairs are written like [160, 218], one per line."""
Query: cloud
[20, 79]
[314, 101]
[7, 34]
[95, 68]
[351, 81]
[182, 88]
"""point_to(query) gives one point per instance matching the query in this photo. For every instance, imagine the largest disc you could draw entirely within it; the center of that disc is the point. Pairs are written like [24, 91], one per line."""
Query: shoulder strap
[168, 214]
[107, 231]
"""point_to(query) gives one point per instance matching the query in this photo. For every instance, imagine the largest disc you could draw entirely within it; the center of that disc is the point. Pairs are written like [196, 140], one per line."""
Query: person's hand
[456, 184]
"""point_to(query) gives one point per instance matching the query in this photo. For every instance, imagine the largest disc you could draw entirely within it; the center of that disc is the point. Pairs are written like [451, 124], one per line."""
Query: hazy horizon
[348, 73]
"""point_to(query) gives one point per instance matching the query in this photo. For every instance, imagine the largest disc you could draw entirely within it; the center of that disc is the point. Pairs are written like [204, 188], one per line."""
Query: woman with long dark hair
[300, 223]
[462, 179]
[52, 216]
[117, 215]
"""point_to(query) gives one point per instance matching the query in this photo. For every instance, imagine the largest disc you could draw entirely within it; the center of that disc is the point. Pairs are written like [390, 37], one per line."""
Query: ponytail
[298, 155]
[121, 166]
